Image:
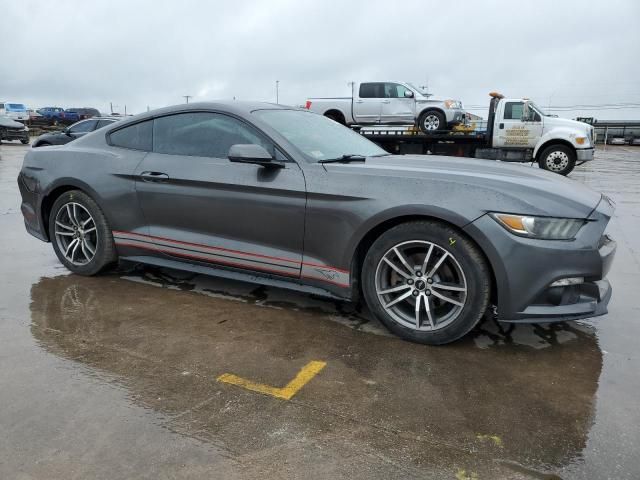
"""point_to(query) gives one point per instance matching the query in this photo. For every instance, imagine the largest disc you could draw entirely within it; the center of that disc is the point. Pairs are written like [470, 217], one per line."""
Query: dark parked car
[52, 114]
[76, 130]
[72, 115]
[12, 130]
[286, 197]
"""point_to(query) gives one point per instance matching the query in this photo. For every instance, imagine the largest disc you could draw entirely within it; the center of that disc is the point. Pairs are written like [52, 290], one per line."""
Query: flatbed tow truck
[517, 130]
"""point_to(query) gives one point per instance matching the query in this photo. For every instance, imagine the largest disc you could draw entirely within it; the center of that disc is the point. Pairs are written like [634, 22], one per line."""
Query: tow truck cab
[519, 130]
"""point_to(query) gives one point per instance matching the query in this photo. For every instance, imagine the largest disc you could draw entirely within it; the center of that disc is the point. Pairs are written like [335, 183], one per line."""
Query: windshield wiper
[345, 159]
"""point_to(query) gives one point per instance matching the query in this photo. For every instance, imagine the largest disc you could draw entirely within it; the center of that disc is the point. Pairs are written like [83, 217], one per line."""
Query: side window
[203, 134]
[103, 123]
[371, 90]
[394, 90]
[136, 137]
[513, 110]
[83, 127]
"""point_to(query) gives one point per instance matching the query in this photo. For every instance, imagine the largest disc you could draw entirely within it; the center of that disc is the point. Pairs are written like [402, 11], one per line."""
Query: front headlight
[547, 228]
[452, 104]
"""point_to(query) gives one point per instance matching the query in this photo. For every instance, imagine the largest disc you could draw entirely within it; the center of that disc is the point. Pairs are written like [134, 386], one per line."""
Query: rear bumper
[30, 208]
[584, 154]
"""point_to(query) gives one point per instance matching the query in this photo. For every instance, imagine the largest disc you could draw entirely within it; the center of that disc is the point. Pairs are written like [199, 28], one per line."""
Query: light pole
[187, 97]
[277, 91]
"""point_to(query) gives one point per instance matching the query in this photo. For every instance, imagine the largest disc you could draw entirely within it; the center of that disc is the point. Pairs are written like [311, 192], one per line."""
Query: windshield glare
[318, 137]
[421, 91]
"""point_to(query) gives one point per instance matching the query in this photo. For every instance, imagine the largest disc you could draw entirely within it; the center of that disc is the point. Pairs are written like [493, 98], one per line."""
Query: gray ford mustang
[285, 197]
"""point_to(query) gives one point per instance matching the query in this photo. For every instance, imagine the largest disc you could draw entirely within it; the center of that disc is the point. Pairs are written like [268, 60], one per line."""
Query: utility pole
[187, 97]
[277, 91]
[111, 107]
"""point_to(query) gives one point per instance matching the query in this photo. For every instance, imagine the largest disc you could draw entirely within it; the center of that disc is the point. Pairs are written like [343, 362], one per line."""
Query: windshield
[15, 107]
[538, 109]
[316, 136]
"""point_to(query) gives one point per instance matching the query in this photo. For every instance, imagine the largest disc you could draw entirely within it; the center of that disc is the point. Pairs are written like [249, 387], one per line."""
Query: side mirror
[408, 94]
[250, 153]
[528, 115]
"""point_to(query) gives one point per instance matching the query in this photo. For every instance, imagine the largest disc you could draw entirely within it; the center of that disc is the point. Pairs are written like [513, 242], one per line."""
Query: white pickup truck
[517, 130]
[390, 103]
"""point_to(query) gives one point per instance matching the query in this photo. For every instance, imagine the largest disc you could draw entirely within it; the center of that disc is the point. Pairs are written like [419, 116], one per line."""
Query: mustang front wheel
[426, 282]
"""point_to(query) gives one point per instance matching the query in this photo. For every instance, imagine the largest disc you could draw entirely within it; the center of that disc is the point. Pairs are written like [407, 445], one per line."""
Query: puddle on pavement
[167, 346]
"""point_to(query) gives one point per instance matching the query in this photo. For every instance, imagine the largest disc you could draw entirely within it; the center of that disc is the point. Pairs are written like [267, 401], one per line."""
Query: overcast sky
[149, 53]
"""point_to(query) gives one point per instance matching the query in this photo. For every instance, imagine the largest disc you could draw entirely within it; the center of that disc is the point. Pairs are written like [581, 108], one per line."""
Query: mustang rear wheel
[426, 282]
[80, 234]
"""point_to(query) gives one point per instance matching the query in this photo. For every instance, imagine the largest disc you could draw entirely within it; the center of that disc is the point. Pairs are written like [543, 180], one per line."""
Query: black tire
[467, 256]
[432, 121]
[558, 159]
[55, 122]
[105, 250]
[25, 141]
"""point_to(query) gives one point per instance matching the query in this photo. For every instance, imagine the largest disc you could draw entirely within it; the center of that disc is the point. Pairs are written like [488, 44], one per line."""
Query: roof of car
[238, 107]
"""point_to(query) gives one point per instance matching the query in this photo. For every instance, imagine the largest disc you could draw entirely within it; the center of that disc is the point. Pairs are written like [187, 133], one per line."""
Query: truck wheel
[431, 121]
[426, 282]
[558, 159]
[25, 141]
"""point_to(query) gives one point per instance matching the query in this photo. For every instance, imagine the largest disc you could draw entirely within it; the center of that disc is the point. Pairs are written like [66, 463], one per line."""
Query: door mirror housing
[528, 114]
[408, 94]
[251, 153]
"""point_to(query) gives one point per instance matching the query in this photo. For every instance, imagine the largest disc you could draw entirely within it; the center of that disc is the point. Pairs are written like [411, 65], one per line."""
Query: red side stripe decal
[198, 257]
[158, 248]
[209, 247]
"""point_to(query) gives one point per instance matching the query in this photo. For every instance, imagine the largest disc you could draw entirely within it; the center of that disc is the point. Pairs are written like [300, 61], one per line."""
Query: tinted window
[203, 134]
[137, 136]
[83, 127]
[513, 110]
[371, 90]
[104, 123]
[394, 90]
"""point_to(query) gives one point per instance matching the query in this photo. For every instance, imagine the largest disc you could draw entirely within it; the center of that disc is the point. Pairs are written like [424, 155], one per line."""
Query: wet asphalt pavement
[115, 376]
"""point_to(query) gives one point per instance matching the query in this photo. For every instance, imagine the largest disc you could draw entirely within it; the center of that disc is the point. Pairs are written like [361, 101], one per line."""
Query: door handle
[154, 177]
[386, 101]
[501, 126]
[359, 101]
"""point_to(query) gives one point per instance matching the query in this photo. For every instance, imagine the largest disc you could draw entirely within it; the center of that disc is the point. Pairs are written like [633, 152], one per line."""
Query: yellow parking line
[303, 377]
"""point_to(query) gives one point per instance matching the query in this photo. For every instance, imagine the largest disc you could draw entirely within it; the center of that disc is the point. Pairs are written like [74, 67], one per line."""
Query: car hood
[494, 186]
[6, 122]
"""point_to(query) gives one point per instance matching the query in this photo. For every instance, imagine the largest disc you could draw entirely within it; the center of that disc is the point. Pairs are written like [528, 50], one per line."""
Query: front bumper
[13, 134]
[455, 116]
[525, 268]
[584, 154]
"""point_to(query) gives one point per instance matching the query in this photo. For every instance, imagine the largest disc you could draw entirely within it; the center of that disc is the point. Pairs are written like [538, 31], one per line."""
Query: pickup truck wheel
[432, 121]
[558, 159]
[426, 282]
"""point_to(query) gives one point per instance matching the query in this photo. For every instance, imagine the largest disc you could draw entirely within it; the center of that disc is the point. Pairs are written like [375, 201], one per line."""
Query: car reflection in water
[532, 387]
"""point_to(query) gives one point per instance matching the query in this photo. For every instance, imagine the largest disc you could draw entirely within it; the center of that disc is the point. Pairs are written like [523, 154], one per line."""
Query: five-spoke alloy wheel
[76, 233]
[421, 285]
[426, 281]
[80, 233]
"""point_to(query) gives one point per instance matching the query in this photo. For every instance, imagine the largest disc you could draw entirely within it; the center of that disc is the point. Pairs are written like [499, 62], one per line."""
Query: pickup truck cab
[15, 111]
[390, 103]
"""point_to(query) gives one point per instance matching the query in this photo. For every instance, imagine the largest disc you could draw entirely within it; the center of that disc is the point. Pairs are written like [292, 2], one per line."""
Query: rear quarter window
[135, 137]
